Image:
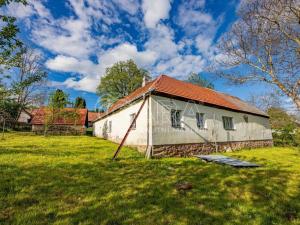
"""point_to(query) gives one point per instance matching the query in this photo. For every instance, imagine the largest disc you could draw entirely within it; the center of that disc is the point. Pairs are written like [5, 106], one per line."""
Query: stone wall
[60, 129]
[187, 150]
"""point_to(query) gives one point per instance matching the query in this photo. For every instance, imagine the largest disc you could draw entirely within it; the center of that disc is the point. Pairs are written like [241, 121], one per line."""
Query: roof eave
[207, 104]
[126, 104]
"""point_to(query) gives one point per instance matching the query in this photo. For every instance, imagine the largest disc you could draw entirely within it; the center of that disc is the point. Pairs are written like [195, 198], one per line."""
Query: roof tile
[170, 86]
[39, 117]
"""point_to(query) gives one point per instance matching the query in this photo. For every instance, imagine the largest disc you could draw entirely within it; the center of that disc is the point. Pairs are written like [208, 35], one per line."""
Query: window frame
[246, 118]
[178, 120]
[132, 116]
[225, 120]
[198, 114]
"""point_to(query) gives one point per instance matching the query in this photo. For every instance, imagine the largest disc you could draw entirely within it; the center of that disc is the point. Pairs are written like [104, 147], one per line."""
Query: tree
[9, 43]
[264, 46]
[29, 81]
[25, 83]
[197, 79]
[80, 103]
[58, 99]
[120, 80]
[285, 132]
[266, 100]
[279, 118]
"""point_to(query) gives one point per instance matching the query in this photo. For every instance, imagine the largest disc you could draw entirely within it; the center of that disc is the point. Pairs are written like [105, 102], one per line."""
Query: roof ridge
[156, 81]
[165, 84]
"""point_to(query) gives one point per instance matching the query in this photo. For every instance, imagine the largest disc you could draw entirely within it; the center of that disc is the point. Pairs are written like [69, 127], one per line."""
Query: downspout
[148, 154]
[215, 133]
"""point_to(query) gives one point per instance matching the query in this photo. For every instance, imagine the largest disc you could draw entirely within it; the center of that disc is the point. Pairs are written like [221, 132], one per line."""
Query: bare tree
[264, 46]
[29, 82]
[266, 100]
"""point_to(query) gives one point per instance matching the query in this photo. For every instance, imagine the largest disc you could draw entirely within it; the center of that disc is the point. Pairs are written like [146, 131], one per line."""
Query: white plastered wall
[24, 117]
[121, 122]
[257, 128]
[161, 132]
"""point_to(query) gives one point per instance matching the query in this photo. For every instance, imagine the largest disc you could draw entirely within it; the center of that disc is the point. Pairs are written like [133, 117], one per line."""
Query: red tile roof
[93, 116]
[171, 87]
[39, 117]
[32, 111]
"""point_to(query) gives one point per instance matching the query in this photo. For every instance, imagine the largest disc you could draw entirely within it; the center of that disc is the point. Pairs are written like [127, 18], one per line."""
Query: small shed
[67, 121]
[25, 117]
[92, 116]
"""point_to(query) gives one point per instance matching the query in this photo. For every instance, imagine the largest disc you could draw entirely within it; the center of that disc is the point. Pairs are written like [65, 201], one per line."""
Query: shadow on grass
[137, 191]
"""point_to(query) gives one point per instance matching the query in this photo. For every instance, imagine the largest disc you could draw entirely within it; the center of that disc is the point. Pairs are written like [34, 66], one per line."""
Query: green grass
[72, 180]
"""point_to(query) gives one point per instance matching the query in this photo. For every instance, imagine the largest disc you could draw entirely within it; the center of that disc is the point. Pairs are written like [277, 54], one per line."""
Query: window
[246, 118]
[228, 123]
[109, 126]
[200, 120]
[176, 118]
[132, 116]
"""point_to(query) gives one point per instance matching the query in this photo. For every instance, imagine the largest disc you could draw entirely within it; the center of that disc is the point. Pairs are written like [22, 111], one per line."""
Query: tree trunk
[3, 129]
[297, 102]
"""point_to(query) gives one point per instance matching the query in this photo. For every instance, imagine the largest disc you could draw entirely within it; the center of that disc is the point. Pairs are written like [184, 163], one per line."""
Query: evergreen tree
[80, 103]
[58, 99]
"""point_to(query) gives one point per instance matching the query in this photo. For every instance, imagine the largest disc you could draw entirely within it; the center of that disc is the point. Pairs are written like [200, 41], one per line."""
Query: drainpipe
[148, 154]
[215, 133]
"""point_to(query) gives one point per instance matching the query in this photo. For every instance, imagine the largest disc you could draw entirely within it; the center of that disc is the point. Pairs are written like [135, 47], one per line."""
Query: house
[92, 116]
[66, 121]
[183, 119]
[25, 117]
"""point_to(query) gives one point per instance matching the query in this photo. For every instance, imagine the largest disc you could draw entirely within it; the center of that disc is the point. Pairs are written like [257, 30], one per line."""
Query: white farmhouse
[182, 119]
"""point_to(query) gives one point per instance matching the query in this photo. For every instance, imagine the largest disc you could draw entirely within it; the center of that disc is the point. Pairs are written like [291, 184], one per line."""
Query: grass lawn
[72, 180]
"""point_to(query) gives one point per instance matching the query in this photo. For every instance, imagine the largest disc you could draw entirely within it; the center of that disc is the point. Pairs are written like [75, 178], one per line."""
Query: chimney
[145, 80]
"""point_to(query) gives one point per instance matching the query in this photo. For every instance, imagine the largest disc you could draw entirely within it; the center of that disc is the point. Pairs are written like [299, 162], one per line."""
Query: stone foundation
[187, 150]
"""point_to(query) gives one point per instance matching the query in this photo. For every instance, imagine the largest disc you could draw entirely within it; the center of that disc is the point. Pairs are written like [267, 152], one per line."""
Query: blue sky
[80, 38]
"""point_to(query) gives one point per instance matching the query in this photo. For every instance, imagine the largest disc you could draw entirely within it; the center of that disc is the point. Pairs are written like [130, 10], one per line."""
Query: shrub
[287, 136]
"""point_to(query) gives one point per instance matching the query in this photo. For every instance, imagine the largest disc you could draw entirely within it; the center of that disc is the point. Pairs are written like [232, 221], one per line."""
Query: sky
[79, 39]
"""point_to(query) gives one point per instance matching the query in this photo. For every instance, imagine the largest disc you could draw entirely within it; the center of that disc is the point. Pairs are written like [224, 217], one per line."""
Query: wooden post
[129, 129]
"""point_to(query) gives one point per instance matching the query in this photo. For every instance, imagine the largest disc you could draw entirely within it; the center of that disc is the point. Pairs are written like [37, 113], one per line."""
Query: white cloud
[130, 6]
[72, 36]
[75, 42]
[161, 41]
[24, 11]
[40, 9]
[87, 83]
[127, 51]
[74, 39]
[154, 11]
[181, 65]
[89, 70]
[92, 71]
[193, 19]
[203, 43]
[70, 64]
[19, 10]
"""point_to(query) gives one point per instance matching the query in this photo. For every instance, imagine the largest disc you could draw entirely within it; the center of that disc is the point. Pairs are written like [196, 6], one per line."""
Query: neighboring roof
[33, 111]
[39, 117]
[93, 116]
[167, 86]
